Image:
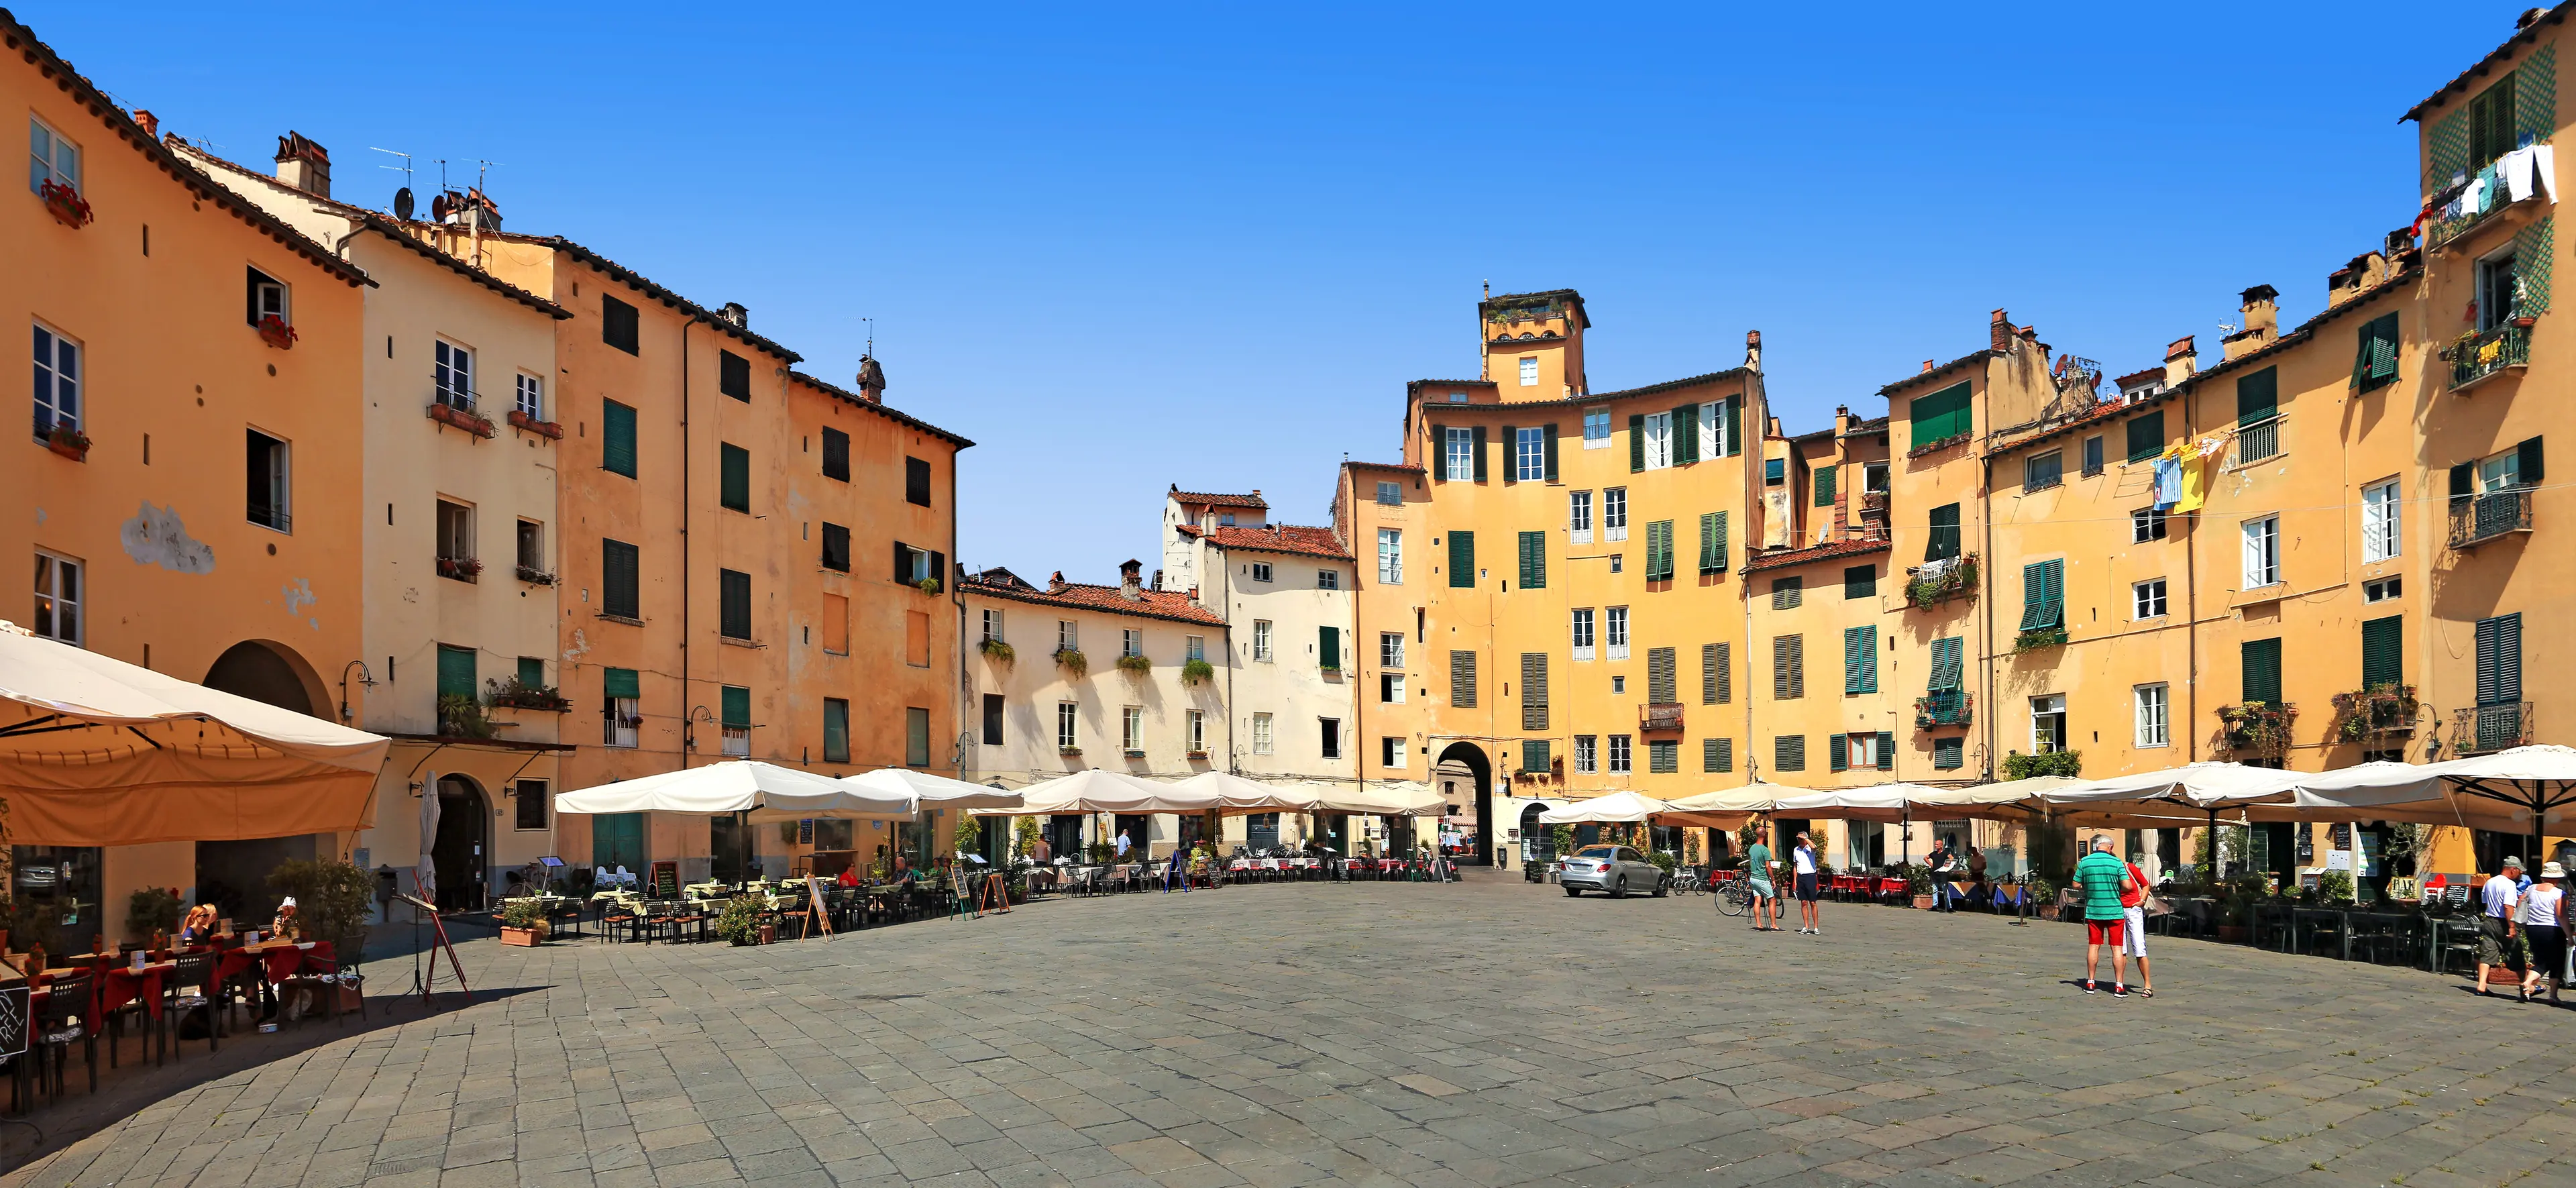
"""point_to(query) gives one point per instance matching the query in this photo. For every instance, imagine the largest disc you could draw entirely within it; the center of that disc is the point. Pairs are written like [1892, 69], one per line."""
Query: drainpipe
[957, 597]
[686, 571]
[1985, 567]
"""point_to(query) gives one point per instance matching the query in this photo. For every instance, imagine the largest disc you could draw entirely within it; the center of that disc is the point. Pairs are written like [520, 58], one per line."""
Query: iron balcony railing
[271, 517]
[2480, 729]
[2477, 519]
[2490, 353]
[1943, 707]
[2259, 441]
[1659, 716]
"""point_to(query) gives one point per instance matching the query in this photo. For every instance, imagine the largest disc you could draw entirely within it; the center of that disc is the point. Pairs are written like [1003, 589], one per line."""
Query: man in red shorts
[2104, 879]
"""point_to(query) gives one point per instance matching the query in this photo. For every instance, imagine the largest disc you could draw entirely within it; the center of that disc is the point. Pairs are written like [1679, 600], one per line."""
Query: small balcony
[2477, 358]
[2477, 519]
[2258, 442]
[1659, 717]
[2485, 728]
[1944, 707]
[1873, 501]
[456, 406]
[463, 569]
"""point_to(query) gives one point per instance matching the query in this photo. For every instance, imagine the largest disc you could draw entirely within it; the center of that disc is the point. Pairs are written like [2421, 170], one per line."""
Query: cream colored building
[1069, 676]
[459, 490]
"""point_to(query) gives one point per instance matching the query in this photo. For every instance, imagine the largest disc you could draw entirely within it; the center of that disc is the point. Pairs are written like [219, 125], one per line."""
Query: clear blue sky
[1126, 248]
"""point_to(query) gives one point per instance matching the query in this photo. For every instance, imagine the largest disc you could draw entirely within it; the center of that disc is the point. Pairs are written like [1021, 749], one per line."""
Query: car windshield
[1596, 852]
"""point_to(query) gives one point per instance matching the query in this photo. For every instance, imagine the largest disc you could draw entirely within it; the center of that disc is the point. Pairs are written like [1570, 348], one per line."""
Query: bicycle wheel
[1732, 900]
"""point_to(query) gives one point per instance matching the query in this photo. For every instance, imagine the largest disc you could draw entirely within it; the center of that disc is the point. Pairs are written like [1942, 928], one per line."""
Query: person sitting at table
[849, 876]
[198, 924]
[903, 871]
[286, 921]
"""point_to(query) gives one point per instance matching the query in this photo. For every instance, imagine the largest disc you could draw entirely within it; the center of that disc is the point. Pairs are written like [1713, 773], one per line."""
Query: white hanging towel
[2527, 172]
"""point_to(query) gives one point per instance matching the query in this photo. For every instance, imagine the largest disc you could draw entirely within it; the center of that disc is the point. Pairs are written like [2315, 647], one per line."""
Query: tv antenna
[402, 197]
[871, 324]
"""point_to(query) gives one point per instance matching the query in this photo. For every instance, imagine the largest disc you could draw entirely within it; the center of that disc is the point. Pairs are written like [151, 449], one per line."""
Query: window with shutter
[1479, 438]
[1788, 667]
[2146, 435]
[1886, 751]
[1837, 752]
[1717, 754]
[1734, 426]
[1825, 485]
[617, 438]
[836, 455]
[1534, 755]
[1462, 560]
[1789, 752]
[617, 325]
[1462, 679]
[733, 603]
[2383, 651]
[1549, 450]
[1533, 690]
[1712, 543]
[1659, 551]
[2258, 396]
[620, 581]
[1860, 660]
[2491, 123]
[1716, 682]
[2380, 521]
[1663, 684]
[1636, 443]
[1513, 454]
[620, 684]
[733, 480]
[456, 673]
[1533, 560]
[2499, 642]
[1860, 581]
[733, 375]
[1949, 754]
[2374, 361]
[1328, 648]
[1940, 416]
[836, 548]
[2043, 595]
[1788, 593]
[1941, 536]
[2262, 664]
[1686, 434]
[1949, 668]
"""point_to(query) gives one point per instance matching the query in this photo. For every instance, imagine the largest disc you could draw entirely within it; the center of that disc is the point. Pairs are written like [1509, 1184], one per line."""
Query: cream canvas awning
[766, 791]
[933, 791]
[1615, 808]
[98, 752]
[1095, 791]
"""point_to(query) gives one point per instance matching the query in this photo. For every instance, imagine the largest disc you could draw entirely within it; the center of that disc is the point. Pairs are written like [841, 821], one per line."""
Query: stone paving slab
[1302, 1035]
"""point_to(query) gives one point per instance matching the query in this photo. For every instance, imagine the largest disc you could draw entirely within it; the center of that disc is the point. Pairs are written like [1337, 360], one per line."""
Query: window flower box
[463, 569]
[1194, 755]
[1930, 585]
[274, 331]
[535, 576]
[65, 204]
[1073, 660]
[1000, 652]
[929, 585]
[1133, 753]
[2376, 712]
[1936, 446]
[510, 694]
[462, 418]
[1197, 671]
[1069, 752]
[549, 430]
[1135, 665]
[67, 441]
[2257, 728]
[2039, 639]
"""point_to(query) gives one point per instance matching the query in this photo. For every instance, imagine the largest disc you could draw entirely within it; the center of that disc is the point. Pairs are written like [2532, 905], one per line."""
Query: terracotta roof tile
[1281, 538]
[1149, 604]
[1216, 500]
[1943, 369]
[879, 408]
[1823, 552]
[2521, 35]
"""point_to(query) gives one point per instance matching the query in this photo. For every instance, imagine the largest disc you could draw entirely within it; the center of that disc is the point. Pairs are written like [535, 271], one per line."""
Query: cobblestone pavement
[1492, 1033]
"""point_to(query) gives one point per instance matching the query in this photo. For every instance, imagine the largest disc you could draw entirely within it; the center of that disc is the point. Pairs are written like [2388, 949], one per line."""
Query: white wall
[1290, 686]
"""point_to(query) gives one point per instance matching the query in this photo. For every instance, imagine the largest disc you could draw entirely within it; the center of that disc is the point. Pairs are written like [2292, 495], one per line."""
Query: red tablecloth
[122, 985]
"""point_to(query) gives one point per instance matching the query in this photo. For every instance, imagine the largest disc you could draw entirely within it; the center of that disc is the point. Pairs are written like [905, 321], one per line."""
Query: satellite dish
[402, 204]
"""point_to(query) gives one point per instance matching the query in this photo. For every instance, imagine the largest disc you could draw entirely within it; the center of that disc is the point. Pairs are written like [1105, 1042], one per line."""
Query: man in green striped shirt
[2103, 877]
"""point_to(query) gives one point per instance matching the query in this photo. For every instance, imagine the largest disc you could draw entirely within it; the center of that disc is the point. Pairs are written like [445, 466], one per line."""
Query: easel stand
[992, 892]
[423, 979]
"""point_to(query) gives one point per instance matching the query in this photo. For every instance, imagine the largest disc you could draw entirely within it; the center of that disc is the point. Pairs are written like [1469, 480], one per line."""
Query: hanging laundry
[2527, 173]
[2195, 481]
[2168, 483]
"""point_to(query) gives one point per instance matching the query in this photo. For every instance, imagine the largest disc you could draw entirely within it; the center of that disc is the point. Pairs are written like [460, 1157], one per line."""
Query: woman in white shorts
[2133, 908]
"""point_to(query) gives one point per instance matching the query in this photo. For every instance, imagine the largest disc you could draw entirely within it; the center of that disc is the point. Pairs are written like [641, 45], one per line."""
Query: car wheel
[1663, 887]
[1619, 890]
[1574, 893]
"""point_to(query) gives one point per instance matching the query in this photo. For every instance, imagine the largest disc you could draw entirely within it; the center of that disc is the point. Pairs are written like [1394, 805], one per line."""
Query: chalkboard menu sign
[13, 1019]
[666, 880]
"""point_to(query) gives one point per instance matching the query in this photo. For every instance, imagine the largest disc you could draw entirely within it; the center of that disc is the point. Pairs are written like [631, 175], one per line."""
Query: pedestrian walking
[2497, 945]
[2133, 923]
[2104, 879]
[2544, 924]
[1123, 843]
[1757, 879]
[1943, 862]
[1805, 856]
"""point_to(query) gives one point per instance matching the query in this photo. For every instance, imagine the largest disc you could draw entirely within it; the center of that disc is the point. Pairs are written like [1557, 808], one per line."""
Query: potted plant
[152, 911]
[1000, 652]
[463, 569]
[67, 441]
[1073, 660]
[335, 900]
[2018, 766]
[64, 203]
[461, 716]
[1069, 752]
[1918, 883]
[550, 430]
[1197, 671]
[2043, 896]
[928, 585]
[461, 417]
[509, 692]
[739, 922]
[1135, 665]
[2039, 639]
[274, 331]
[523, 923]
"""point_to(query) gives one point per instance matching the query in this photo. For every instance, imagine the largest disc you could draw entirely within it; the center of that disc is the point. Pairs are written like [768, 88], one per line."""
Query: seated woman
[198, 924]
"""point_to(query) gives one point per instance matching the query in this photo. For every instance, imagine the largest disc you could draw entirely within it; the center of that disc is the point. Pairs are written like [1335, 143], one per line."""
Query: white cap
[288, 903]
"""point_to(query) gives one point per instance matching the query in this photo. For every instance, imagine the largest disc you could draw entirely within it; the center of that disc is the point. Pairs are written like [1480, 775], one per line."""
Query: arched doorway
[461, 850]
[270, 673]
[1538, 840]
[1459, 767]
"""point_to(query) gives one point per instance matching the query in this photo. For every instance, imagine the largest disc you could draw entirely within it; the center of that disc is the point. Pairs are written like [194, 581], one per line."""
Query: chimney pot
[1999, 332]
[2529, 17]
[151, 123]
[734, 312]
[304, 164]
[1927, 365]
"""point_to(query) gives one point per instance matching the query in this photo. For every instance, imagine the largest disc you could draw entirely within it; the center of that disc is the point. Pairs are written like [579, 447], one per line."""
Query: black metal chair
[64, 1020]
[189, 989]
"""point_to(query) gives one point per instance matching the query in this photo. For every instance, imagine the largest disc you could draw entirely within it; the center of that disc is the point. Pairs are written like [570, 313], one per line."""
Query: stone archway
[1478, 771]
[270, 673]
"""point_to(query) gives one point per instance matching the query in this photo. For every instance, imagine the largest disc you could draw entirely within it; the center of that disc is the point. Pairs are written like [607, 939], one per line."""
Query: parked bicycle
[1734, 897]
[1687, 881]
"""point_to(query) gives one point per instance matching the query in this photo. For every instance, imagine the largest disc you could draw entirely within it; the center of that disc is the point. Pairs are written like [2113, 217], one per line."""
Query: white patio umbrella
[2522, 791]
[1093, 790]
[1615, 808]
[1729, 808]
[1237, 796]
[934, 791]
[763, 791]
[1884, 803]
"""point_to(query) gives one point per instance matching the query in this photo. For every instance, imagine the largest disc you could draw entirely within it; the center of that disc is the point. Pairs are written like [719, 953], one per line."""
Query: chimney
[2529, 17]
[1128, 587]
[1055, 582]
[734, 312]
[1999, 332]
[2262, 322]
[1158, 579]
[1927, 367]
[2178, 361]
[303, 164]
[150, 123]
[871, 380]
[1753, 350]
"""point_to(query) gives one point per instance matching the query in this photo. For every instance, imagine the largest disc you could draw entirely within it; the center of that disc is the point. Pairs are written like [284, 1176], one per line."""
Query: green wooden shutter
[1462, 560]
[1710, 669]
[2146, 435]
[1860, 581]
[1328, 648]
[734, 480]
[532, 673]
[2262, 663]
[2500, 660]
[1479, 439]
[1511, 455]
[1825, 486]
[2533, 251]
[2375, 358]
[1860, 660]
[2042, 595]
[1534, 560]
[1949, 668]
[1941, 540]
[620, 682]
[736, 702]
[1534, 691]
[1949, 754]
[1941, 416]
[1462, 679]
[1686, 434]
[733, 604]
[2527, 463]
[1663, 680]
[620, 579]
[1717, 754]
[2383, 651]
[617, 438]
[2258, 396]
[1712, 543]
[836, 730]
[1837, 753]
[1636, 443]
[1551, 453]
[1534, 756]
[456, 672]
[1734, 414]
[1886, 751]
[1659, 551]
